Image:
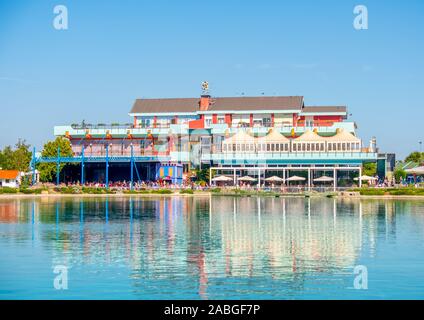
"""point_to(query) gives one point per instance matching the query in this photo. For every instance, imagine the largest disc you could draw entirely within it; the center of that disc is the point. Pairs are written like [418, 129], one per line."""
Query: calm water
[211, 248]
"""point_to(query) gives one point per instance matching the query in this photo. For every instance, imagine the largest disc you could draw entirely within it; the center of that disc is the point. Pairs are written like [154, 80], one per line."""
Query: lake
[211, 247]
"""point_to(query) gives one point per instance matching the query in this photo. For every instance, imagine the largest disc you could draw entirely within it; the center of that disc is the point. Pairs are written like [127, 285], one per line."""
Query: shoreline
[204, 194]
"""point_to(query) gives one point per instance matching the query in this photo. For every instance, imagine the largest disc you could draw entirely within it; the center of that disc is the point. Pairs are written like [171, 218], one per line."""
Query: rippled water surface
[211, 248]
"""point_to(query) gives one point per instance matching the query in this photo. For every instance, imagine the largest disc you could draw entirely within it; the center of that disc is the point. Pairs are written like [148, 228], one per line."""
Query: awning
[416, 170]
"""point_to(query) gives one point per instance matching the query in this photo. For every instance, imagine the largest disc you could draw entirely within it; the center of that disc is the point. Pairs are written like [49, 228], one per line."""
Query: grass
[390, 191]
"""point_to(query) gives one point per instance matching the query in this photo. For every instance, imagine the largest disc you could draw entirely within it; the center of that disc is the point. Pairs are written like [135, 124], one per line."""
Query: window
[221, 119]
[277, 147]
[224, 147]
[294, 146]
[268, 148]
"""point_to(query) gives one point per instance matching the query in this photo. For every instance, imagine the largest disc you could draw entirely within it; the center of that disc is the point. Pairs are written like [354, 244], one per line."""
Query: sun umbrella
[274, 179]
[296, 178]
[247, 179]
[324, 179]
[366, 178]
[222, 179]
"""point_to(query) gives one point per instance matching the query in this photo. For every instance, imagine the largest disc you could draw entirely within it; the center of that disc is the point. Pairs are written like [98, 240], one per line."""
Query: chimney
[205, 101]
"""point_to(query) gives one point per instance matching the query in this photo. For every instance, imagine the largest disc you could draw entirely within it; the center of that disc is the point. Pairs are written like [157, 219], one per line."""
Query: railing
[289, 155]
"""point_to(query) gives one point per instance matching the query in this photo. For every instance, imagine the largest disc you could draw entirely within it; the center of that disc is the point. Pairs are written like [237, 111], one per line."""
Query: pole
[335, 179]
[210, 176]
[360, 177]
[33, 166]
[259, 178]
[107, 166]
[82, 166]
[132, 169]
[58, 167]
[309, 179]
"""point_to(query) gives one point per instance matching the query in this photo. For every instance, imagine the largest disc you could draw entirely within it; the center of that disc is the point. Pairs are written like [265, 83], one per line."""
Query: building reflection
[208, 238]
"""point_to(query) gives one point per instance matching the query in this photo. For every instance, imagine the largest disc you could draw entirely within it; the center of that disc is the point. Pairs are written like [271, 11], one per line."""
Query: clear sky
[116, 51]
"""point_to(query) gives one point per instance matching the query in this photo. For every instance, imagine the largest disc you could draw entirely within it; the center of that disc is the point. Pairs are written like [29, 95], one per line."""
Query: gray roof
[256, 103]
[217, 104]
[325, 109]
[165, 105]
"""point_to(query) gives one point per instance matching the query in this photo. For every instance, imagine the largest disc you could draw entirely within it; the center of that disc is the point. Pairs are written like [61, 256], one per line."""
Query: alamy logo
[361, 19]
[60, 21]
[60, 282]
[361, 277]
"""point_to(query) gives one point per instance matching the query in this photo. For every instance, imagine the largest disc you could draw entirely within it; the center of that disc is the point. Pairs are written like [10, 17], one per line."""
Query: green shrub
[186, 191]
[162, 191]
[8, 190]
[30, 191]
[216, 190]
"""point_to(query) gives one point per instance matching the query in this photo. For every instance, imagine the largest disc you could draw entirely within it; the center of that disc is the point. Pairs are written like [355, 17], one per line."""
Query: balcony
[119, 132]
[291, 157]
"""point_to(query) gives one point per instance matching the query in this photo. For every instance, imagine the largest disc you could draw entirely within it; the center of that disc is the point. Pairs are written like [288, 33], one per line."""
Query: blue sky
[117, 51]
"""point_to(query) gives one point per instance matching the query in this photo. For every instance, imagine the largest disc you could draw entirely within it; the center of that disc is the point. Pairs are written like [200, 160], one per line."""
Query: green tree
[415, 157]
[22, 156]
[370, 169]
[16, 159]
[6, 158]
[48, 170]
[399, 174]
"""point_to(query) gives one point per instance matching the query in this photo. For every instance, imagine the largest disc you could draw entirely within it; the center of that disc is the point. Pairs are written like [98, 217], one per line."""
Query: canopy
[343, 136]
[324, 179]
[296, 178]
[273, 137]
[246, 178]
[240, 136]
[416, 170]
[366, 178]
[222, 179]
[309, 136]
[274, 179]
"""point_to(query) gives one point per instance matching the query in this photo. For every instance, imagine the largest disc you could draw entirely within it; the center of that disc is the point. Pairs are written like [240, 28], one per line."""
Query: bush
[30, 191]
[162, 191]
[186, 191]
[8, 190]
[216, 190]
[90, 190]
[68, 190]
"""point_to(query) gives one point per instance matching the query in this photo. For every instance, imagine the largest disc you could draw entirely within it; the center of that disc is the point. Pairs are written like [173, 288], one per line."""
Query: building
[232, 135]
[10, 178]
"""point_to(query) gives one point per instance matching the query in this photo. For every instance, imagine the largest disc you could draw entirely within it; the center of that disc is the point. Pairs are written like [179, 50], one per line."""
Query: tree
[16, 159]
[22, 156]
[370, 169]
[48, 170]
[399, 174]
[415, 157]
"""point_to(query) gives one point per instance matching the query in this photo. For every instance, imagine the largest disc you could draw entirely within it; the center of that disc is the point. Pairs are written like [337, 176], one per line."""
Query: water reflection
[191, 247]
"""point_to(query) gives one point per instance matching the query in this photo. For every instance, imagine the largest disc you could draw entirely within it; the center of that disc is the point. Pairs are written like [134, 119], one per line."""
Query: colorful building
[230, 134]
